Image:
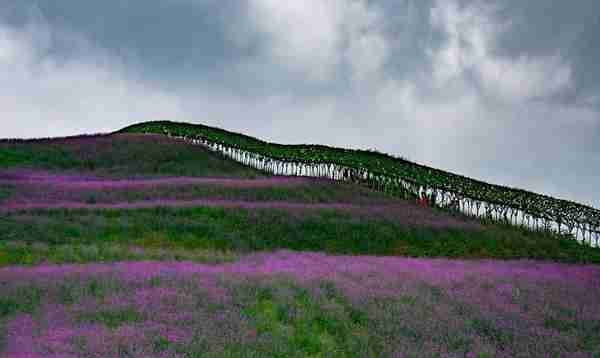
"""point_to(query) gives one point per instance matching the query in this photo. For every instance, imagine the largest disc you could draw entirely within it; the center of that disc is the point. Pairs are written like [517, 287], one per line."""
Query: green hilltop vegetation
[390, 173]
[117, 156]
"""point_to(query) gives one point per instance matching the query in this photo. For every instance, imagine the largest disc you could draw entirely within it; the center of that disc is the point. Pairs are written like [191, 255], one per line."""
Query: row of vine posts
[404, 188]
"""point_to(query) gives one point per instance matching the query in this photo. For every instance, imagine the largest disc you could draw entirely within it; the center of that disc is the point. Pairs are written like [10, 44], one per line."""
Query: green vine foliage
[382, 169]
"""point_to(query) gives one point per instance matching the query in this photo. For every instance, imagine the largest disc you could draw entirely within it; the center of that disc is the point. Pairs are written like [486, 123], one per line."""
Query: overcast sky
[503, 91]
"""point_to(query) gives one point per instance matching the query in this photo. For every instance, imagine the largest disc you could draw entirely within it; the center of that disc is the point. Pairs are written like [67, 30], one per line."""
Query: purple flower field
[39, 189]
[287, 303]
[175, 251]
[29, 176]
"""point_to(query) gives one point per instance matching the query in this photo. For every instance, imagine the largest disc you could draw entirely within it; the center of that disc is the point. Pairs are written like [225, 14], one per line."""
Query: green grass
[73, 290]
[293, 320]
[112, 317]
[28, 237]
[23, 299]
[312, 192]
[23, 253]
[120, 156]
[48, 156]
[6, 191]
[290, 321]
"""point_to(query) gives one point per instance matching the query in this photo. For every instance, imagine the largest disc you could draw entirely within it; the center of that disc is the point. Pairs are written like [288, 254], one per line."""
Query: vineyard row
[521, 208]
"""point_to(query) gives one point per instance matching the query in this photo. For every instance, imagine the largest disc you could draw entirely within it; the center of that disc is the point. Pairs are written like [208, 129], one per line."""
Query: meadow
[143, 246]
[90, 235]
[291, 304]
[102, 191]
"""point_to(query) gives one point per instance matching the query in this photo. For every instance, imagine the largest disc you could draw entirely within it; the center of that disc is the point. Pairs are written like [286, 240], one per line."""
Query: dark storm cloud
[568, 28]
[190, 41]
[172, 39]
[506, 91]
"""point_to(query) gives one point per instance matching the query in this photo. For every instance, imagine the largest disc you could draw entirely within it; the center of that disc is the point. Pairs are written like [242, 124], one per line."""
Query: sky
[503, 91]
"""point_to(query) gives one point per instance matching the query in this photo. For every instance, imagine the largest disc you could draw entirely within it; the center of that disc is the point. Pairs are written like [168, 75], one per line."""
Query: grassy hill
[118, 156]
[390, 173]
[182, 252]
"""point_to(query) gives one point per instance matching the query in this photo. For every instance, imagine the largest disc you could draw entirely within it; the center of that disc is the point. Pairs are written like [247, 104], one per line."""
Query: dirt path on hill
[403, 212]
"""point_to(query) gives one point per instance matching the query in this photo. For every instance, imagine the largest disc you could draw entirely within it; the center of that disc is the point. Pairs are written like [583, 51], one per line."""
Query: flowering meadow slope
[133, 245]
[303, 304]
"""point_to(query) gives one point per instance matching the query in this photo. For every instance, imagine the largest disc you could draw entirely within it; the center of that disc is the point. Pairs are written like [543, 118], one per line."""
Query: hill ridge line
[384, 172]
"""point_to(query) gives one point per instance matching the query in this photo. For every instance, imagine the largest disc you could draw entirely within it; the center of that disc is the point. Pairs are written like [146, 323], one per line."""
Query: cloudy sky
[503, 91]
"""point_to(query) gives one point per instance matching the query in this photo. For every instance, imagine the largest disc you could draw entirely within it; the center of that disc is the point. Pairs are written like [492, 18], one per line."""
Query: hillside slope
[108, 177]
[118, 156]
[144, 246]
[385, 172]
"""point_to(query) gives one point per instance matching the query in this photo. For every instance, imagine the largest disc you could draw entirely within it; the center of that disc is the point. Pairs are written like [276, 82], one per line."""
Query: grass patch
[314, 192]
[408, 300]
[6, 191]
[590, 336]
[3, 336]
[488, 329]
[101, 235]
[160, 344]
[560, 325]
[112, 317]
[120, 156]
[71, 291]
[33, 253]
[299, 323]
[49, 156]
[22, 299]
[459, 342]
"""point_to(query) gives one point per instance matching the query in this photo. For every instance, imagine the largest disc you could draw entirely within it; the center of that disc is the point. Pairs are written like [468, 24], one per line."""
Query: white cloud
[472, 33]
[303, 34]
[10, 47]
[315, 38]
[525, 78]
[42, 95]
[366, 55]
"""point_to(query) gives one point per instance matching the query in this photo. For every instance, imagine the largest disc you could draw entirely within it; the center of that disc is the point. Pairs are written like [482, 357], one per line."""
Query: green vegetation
[293, 322]
[73, 290]
[386, 172]
[285, 304]
[322, 320]
[235, 315]
[25, 253]
[6, 191]
[48, 155]
[119, 156]
[309, 192]
[25, 298]
[112, 317]
[66, 235]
